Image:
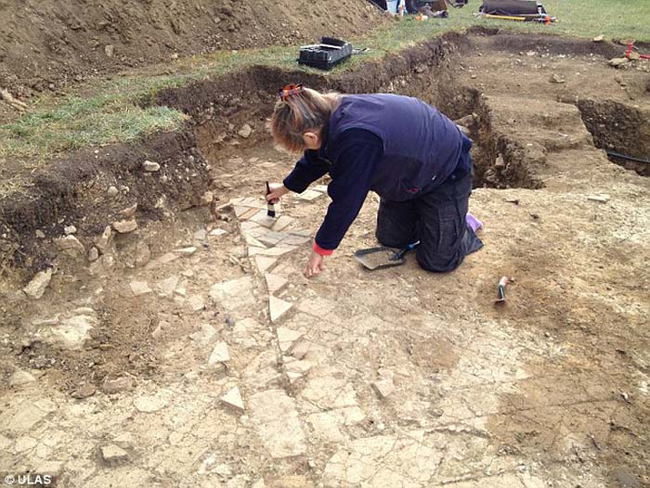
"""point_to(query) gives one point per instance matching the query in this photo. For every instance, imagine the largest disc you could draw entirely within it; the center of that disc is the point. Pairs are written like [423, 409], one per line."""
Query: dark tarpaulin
[512, 7]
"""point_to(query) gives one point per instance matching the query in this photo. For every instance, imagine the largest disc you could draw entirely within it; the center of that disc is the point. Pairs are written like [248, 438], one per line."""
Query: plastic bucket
[391, 6]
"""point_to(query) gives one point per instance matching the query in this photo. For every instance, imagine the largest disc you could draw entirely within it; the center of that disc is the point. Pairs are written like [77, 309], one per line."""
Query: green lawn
[576, 18]
[55, 124]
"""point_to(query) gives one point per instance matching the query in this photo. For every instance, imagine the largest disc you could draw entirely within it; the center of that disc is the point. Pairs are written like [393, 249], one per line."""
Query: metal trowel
[383, 257]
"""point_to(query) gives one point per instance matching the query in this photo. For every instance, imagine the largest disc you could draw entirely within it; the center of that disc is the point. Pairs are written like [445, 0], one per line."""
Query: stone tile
[286, 337]
[255, 250]
[261, 218]
[276, 419]
[274, 283]
[304, 347]
[272, 238]
[234, 294]
[319, 307]
[262, 371]
[276, 251]
[204, 335]
[264, 262]
[384, 388]
[196, 302]
[25, 443]
[255, 202]
[301, 232]
[240, 210]
[328, 392]
[293, 376]
[253, 229]
[381, 461]
[113, 455]
[248, 333]
[248, 225]
[250, 212]
[293, 240]
[52, 468]
[325, 427]
[233, 400]
[253, 242]
[219, 355]
[298, 367]
[23, 416]
[277, 308]
[309, 195]
[320, 188]
[140, 288]
[217, 232]
[181, 289]
[282, 223]
[166, 287]
[20, 378]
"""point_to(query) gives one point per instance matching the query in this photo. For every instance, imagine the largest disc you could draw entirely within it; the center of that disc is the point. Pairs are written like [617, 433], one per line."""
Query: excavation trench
[72, 190]
[199, 160]
[621, 130]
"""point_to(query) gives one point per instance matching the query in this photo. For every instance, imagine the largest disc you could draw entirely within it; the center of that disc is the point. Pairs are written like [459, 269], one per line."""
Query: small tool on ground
[501, 290]
[383, 257]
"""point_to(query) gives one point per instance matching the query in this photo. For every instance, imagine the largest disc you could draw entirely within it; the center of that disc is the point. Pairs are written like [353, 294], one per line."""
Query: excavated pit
[561, 326]
[619, 128]
[198, 159]
[69, 189]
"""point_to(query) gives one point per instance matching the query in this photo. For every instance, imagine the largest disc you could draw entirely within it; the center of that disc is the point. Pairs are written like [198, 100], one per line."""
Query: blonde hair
[301, 111]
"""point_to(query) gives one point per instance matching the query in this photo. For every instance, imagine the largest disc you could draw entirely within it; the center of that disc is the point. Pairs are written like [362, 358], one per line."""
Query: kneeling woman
[411, 155]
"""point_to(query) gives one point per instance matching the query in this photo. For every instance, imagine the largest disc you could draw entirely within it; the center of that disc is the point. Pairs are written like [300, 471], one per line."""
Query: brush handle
[400, 254]
[270, 207]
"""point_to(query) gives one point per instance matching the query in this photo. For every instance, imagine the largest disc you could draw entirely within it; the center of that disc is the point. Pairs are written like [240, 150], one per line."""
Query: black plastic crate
[325, 55]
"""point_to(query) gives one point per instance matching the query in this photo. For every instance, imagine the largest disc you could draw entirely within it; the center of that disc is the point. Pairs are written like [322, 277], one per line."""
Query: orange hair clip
[290, 90]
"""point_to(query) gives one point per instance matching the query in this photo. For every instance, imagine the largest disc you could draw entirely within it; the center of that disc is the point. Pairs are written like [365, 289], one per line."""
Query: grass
[111, 113]
[82, 123]
[576, 18]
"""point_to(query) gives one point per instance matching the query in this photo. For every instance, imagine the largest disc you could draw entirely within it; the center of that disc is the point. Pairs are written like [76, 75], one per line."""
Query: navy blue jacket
[397, 146]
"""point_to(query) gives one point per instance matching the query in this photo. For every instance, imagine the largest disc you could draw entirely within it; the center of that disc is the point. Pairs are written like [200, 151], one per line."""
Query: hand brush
[270, 207]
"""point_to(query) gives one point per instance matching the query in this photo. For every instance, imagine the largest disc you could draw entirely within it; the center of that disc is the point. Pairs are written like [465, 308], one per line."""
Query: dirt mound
[47, 43]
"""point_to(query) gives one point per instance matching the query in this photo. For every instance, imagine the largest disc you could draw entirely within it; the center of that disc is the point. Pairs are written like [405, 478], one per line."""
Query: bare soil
[549, 390]
[48, 44]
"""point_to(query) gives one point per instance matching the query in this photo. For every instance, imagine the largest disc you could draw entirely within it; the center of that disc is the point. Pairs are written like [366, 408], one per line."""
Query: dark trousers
[437, 220]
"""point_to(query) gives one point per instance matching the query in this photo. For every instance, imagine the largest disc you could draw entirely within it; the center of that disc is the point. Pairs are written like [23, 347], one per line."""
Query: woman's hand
[277, 190]
[314, 265]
